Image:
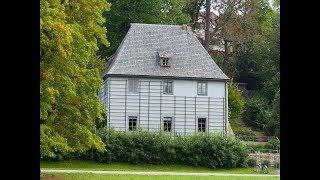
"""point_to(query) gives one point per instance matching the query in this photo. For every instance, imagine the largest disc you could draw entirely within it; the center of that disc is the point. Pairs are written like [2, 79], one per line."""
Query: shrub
[255, 147]
[244, 134]
[273, 144]
[210, 151]
[266, 162]
[235, 101]
[274, 126]
[257, 113]
[251, 162]
[141, 147]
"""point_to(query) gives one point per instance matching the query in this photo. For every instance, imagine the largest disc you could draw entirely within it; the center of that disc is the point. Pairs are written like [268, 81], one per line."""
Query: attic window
[165, 61]
[163, 58]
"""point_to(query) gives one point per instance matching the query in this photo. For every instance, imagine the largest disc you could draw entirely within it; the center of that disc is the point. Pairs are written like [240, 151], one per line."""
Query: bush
[210, 151]
[274, 126]
[257, 113]
[277, 165]
[244, 134]
[266, 162]
[273, 144]
[158, 148]
[255, 147]
[251, 162]
[235, 101]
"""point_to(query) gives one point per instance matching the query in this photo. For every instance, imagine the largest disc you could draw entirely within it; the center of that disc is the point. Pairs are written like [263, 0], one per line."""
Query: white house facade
[162, 79]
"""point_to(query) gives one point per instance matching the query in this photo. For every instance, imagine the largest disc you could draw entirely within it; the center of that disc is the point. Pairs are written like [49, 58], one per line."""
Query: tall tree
[258, 60]
[69, 75]
[124, 12]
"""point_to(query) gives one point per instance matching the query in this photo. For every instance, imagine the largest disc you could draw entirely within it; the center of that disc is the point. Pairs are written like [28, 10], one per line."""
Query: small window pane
[132, 123]
[133, 86]
[167, 121]
[164, 61]
[167, 87]
[202, 88]
[202, 124]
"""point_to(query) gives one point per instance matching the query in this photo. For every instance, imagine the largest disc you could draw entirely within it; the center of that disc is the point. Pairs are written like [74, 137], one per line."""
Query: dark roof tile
[137, 53]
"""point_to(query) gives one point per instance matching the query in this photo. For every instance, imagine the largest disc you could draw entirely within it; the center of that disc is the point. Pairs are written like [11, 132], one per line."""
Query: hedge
[138, 147]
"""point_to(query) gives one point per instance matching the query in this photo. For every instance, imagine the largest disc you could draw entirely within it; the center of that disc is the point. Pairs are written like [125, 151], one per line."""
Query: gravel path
[149, 173]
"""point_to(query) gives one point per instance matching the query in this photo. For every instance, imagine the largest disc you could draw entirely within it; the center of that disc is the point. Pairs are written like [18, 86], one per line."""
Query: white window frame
[165, 82]
[134, 89]
[167, 118]
[205, 124]
[205, 89]
[164, 61]
[132, 117]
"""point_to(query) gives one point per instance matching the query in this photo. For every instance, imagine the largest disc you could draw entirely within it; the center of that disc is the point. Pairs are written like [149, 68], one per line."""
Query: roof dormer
[163, 58]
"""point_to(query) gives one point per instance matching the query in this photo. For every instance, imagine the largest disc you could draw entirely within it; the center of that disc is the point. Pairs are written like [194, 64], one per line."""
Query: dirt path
[149, 173]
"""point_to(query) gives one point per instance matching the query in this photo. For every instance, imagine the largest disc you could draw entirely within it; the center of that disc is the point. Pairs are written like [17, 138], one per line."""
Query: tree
[69, 75]
[124, 12]
[258, 60]
[235, 101]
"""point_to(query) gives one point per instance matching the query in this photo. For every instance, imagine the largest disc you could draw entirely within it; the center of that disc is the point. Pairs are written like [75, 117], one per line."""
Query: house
[162, 79]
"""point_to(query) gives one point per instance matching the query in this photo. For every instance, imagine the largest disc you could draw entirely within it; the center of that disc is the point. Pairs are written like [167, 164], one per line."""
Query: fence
[150, 105]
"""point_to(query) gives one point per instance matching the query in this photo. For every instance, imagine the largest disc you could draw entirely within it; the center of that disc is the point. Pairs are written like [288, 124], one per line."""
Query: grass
[159, 177]
[92, 165]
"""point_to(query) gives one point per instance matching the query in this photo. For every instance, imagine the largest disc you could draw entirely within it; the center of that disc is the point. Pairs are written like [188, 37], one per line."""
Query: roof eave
[164, 77]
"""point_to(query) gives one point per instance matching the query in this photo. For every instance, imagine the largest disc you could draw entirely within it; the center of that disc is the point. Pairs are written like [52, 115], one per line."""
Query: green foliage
[69, 75]
[159, 148]
[274, 125]
[251, 162]
[124, 12]
[244, 134]
[273, 144]
[235, 101]
[255, 147]
[257, 113]
[262, 116]
[266, 162]
[258, 59]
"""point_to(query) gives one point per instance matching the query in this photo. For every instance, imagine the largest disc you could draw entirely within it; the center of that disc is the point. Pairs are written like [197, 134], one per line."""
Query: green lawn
[91, 165]
[147, 177]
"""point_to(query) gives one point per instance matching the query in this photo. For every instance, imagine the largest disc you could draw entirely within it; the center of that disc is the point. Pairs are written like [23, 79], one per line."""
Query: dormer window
[165, 61]
[163, 58]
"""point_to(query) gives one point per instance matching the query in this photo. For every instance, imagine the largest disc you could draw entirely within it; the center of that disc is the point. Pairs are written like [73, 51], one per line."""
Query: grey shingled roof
[136, 55]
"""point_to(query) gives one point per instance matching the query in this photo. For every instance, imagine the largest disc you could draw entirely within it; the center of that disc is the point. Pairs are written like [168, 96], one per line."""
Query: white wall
[154, 105]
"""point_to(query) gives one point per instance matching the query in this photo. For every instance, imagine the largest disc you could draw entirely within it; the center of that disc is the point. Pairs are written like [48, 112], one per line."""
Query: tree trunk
[208, 4]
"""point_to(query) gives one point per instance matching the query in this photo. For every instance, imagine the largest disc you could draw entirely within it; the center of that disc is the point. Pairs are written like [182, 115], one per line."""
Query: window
[133, 86]
[167, 123]
[132, 123]
[167, 87]
[202, 88]
[163, 57]
[202, 124]
[164, 61]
